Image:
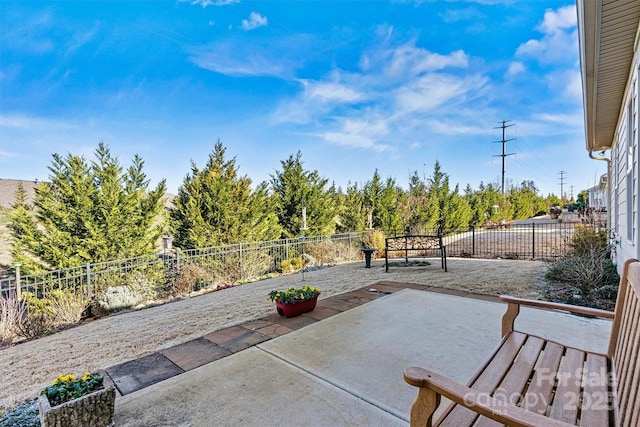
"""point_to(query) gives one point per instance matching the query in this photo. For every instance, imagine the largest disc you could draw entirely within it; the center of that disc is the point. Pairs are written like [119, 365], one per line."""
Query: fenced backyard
[224, 265]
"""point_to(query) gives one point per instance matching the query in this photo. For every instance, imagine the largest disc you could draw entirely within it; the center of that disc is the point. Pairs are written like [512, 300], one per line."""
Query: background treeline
[94, 211]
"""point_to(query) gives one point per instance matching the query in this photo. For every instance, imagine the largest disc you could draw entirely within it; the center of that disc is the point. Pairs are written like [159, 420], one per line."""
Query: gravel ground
[29, 366]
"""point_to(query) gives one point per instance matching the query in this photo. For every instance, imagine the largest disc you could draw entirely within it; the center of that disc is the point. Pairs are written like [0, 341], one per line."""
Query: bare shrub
[147, 284]
[254, 264]
[330, 251]
[117, 298]
[12, 312]
[65, 307]
[191, 276]
[34, 325]
[374, 239]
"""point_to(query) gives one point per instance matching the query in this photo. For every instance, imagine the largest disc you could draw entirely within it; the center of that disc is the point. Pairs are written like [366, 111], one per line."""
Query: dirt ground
[27, 367]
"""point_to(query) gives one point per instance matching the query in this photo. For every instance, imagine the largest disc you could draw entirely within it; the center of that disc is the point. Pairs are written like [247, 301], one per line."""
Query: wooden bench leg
[423, 408]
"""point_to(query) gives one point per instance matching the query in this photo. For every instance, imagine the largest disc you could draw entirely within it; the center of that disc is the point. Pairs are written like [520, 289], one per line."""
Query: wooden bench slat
[596, 405]
[518, 376]
[488, 380]
[565, 405]
[627, 362]
[513, 386]
[623, 326]
[540, 390]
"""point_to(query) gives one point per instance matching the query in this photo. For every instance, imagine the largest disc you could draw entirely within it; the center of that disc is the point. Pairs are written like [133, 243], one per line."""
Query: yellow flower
[64, 378]
[86, 376]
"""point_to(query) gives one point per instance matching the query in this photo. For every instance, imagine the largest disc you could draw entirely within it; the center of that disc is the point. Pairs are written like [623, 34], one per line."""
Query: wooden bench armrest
[432, 386]
[513, 309]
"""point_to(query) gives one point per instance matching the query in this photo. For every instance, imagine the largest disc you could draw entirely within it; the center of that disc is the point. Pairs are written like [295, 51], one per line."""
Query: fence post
[178, 260]
[89, 281]
[241, 277]
[286, 248]
[18, 285]
[533, 240]
[473, 240]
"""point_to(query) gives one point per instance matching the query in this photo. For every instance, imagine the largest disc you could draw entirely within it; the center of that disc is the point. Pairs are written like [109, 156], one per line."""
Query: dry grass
[28, 367]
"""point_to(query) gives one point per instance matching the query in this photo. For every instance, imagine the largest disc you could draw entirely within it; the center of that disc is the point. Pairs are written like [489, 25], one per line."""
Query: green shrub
[373, 239]
[291, 264]
[586, 240]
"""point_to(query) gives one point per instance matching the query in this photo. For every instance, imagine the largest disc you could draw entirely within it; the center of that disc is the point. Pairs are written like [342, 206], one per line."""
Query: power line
[562, 173]
[504, 144]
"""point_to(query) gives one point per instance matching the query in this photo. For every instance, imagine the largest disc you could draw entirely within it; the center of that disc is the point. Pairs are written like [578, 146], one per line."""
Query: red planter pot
[291, 310]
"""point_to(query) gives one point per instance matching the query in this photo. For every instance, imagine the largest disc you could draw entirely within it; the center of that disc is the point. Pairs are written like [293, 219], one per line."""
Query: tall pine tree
[90, 213]
[216, 207]
[293, 188]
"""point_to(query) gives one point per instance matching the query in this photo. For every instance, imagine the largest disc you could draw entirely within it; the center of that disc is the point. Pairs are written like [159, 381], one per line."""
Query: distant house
[8, 188]
[609, 37]
[598, 196]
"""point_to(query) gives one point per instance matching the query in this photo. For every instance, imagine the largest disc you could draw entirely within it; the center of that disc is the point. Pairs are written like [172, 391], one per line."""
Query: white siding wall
[624, 175]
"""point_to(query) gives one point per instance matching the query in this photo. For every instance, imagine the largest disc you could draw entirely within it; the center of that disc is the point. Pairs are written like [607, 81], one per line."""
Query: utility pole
[504, 144]
[562, 173]
[571, 187]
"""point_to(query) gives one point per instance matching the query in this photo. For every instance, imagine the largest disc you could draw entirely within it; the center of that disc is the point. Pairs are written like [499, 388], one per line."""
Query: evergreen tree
[525, 200]
[216, 207]
[372, 193]
[390, 205]
[353, 215]
[446, 210]
[90, 213]
[22, 227]
[293, 188]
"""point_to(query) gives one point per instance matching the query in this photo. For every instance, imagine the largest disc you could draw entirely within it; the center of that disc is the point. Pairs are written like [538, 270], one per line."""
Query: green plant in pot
[294, 301]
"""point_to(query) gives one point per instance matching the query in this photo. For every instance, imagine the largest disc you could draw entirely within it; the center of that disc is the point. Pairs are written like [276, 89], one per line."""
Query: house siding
[623, 181]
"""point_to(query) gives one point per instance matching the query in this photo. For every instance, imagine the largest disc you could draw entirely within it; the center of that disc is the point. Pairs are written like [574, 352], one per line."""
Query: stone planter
[291, 310]
[94, 409]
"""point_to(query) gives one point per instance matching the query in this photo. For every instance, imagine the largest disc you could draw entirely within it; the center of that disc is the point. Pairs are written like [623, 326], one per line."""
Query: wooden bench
[415, 243]
[531, 381]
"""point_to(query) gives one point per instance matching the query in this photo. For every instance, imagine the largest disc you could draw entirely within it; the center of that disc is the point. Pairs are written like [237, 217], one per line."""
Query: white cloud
[397, 89]
[560, 40]
[515, 67]
[434, 90]
[457, 15]
[360, 133]
[19, 121]
[407, 60]
[332, 91]
[234, 60]
[255, 20]
[556, 21]
[573, 88]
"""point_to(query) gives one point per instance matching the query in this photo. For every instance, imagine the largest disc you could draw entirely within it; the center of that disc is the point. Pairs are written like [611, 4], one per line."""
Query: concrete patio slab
[250, 388]
[347, 369]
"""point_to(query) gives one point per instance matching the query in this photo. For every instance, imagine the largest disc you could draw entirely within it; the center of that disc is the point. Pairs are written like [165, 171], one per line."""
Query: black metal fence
[540, 241]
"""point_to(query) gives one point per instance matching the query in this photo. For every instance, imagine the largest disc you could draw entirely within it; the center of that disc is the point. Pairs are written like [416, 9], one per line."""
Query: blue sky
[353, 85]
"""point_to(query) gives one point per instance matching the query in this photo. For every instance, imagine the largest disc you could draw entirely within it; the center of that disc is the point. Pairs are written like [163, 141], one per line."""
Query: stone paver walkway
[137, 374]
